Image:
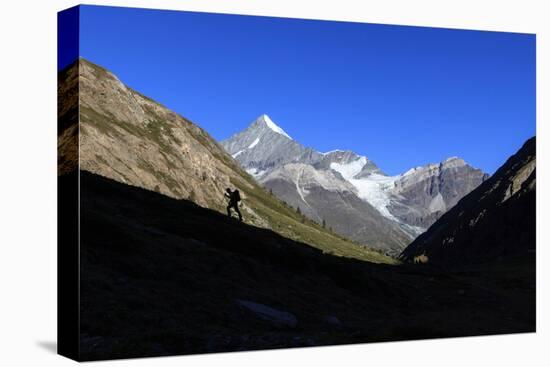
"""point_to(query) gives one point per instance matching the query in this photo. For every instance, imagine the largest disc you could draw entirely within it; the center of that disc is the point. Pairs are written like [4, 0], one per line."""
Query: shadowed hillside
[132, 139]
[495, 222]
[162, 276]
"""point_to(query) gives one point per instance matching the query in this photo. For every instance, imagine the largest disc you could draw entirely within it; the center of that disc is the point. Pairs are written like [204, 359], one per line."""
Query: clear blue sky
[402, 96]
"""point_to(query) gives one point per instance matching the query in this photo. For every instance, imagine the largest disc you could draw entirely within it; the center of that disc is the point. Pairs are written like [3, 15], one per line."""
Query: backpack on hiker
[237, 195]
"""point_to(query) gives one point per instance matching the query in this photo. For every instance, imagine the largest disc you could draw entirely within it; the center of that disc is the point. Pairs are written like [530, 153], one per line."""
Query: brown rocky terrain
[134, 140]
[67, 112]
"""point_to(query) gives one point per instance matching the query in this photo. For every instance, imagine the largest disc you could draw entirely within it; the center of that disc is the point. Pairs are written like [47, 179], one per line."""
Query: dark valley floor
[161, 276]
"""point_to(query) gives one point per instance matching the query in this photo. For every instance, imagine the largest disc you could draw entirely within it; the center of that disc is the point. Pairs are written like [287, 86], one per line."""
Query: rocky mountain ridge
[495, 222]
[407, 203]
[264, 146]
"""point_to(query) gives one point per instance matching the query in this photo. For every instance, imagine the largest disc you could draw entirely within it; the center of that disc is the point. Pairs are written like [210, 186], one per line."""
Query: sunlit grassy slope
[172, 155]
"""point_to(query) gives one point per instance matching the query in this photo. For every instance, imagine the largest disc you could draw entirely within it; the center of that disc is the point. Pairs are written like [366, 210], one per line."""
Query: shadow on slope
[161, 276]
[494, 223]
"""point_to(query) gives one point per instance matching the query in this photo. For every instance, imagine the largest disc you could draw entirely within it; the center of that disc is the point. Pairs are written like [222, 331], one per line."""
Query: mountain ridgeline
[349, 192]
[338, 201]
[495, 222]
[127, 137]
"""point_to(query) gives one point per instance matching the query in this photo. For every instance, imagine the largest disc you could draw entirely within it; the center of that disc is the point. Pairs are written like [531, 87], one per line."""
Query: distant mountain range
[118, 133]
[349, 192]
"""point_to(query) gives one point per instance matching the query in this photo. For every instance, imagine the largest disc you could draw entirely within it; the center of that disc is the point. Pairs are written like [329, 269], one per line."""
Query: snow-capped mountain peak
[453, 162]
[349, 190]
[264, 146]
[348, 170]
[273, 126]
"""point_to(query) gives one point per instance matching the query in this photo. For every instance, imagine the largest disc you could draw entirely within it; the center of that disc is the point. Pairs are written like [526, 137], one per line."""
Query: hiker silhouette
[234, 198]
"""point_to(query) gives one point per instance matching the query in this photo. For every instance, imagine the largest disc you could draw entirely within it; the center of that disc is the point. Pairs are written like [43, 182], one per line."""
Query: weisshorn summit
[348, 192]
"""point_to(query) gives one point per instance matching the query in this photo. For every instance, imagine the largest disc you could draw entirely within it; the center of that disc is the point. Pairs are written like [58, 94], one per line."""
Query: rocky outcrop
[325, 197]
[343, 157]
[67, 127]
[423, 194]
[264, 146]
[494, 222]
[130, 138]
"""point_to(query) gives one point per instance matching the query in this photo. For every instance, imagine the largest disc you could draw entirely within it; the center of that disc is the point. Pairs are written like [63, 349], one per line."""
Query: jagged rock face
[408, 204]
[307, 177]
[67, 112]
[264, 146]
[423, 194]
[132, 139]
[323, 195]
[343, 157]
[496, 221]
[304, 179]
[125, 136]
